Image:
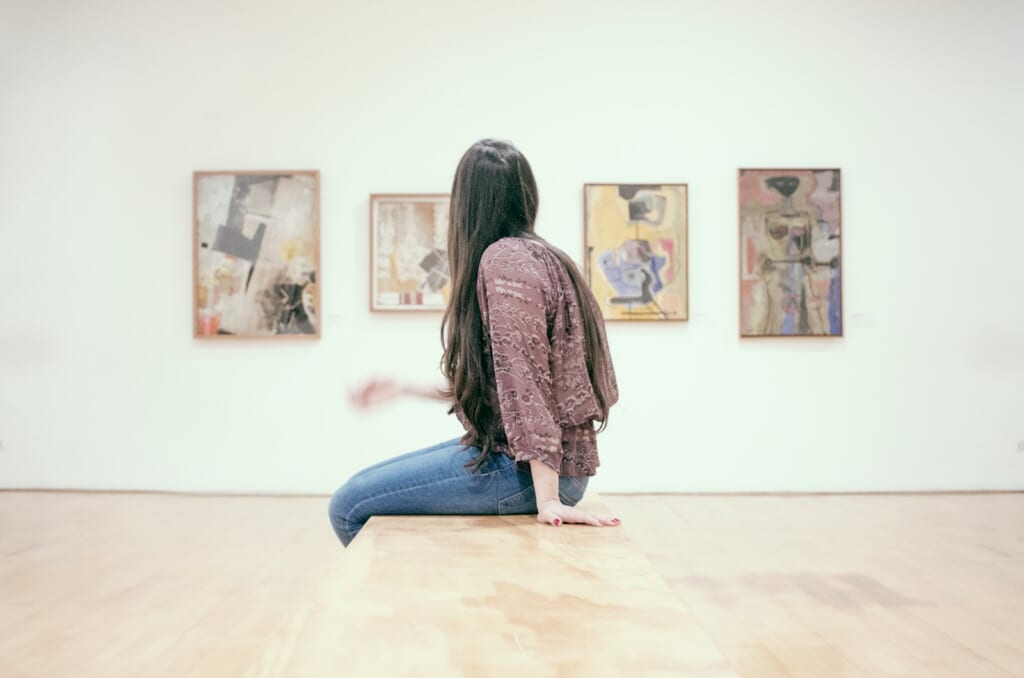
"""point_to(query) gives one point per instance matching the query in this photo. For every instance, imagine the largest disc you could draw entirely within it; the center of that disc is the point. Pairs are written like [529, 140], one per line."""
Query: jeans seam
[426, 450]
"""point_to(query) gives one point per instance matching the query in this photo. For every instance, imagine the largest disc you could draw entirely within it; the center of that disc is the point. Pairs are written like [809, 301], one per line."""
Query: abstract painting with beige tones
[409, 252]
[635, 240]
[790, 264]
[256, 254]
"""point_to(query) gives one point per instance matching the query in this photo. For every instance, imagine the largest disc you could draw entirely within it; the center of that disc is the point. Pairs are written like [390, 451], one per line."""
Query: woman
[527, 363]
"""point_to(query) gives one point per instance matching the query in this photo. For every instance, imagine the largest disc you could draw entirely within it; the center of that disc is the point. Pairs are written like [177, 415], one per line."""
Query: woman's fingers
[588, 518]
[373, 393]
[549, 517]
[570, 514]
[356, 398]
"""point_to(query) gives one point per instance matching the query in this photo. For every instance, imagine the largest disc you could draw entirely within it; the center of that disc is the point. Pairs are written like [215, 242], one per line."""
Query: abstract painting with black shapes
[409, 252]
[791, 268]
[256, 254]
[636, 250]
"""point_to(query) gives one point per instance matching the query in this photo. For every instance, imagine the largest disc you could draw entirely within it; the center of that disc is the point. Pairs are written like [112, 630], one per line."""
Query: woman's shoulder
[515, 254]
[509, 246]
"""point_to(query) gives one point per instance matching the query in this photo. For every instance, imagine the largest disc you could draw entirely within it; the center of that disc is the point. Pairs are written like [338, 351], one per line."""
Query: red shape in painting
[669, 272]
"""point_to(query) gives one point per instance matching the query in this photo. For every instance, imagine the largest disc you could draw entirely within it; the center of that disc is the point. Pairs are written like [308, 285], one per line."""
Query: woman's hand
[375, 392]
[555, 513]
[379, 390]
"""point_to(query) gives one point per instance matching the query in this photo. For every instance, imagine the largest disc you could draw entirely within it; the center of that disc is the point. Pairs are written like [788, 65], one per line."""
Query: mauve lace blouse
[535, 347]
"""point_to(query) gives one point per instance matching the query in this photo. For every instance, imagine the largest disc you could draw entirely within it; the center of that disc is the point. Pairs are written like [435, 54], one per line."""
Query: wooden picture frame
[409, 252]
[636, 250]
[256, 254]
[790, 252]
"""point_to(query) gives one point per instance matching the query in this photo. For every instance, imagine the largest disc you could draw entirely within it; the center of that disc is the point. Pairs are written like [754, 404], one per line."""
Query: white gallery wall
[108, 106]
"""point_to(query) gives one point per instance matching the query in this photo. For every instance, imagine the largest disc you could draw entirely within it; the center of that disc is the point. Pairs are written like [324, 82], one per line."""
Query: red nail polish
[558, 522]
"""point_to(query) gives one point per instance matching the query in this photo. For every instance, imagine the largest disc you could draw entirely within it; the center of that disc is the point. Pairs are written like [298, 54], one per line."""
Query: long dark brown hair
[494, 196]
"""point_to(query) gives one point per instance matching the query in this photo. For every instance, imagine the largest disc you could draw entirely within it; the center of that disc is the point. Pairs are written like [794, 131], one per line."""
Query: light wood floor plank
[899, 585]
[162, 585]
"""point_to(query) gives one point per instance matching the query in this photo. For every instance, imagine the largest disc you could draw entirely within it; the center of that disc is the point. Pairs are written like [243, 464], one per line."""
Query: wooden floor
[154, 585]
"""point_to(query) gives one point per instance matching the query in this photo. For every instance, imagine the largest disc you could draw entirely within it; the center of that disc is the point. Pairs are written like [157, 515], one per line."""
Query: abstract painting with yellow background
[635, 239]
[256, 254]
[409, 252]
[790, 264]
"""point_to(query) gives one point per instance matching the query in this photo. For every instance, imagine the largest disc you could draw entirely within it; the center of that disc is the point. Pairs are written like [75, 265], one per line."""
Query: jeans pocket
[524, 501]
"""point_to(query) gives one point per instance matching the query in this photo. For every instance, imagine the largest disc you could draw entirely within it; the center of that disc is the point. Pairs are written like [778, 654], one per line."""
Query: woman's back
[537, 351]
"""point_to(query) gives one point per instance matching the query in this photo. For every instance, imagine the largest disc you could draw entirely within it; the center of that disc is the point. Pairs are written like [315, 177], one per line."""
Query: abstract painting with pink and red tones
[790, 253]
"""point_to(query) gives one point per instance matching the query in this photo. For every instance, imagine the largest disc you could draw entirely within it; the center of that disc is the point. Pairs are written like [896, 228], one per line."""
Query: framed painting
[256, 254]
[409, 252]
[791, 274]
[635, 243]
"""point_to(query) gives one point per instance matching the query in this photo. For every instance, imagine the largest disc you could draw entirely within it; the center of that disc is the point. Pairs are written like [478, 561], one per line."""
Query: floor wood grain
[96, 584]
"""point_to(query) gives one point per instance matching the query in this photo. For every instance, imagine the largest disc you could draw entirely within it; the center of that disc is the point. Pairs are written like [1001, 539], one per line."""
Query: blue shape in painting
[633, 270]
[835, 323]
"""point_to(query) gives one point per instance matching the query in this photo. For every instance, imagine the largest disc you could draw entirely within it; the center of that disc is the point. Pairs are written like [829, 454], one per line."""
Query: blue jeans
[435, 481]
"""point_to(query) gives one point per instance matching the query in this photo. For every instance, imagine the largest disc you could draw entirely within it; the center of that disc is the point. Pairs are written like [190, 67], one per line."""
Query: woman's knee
[341, 510]
[571, 489]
